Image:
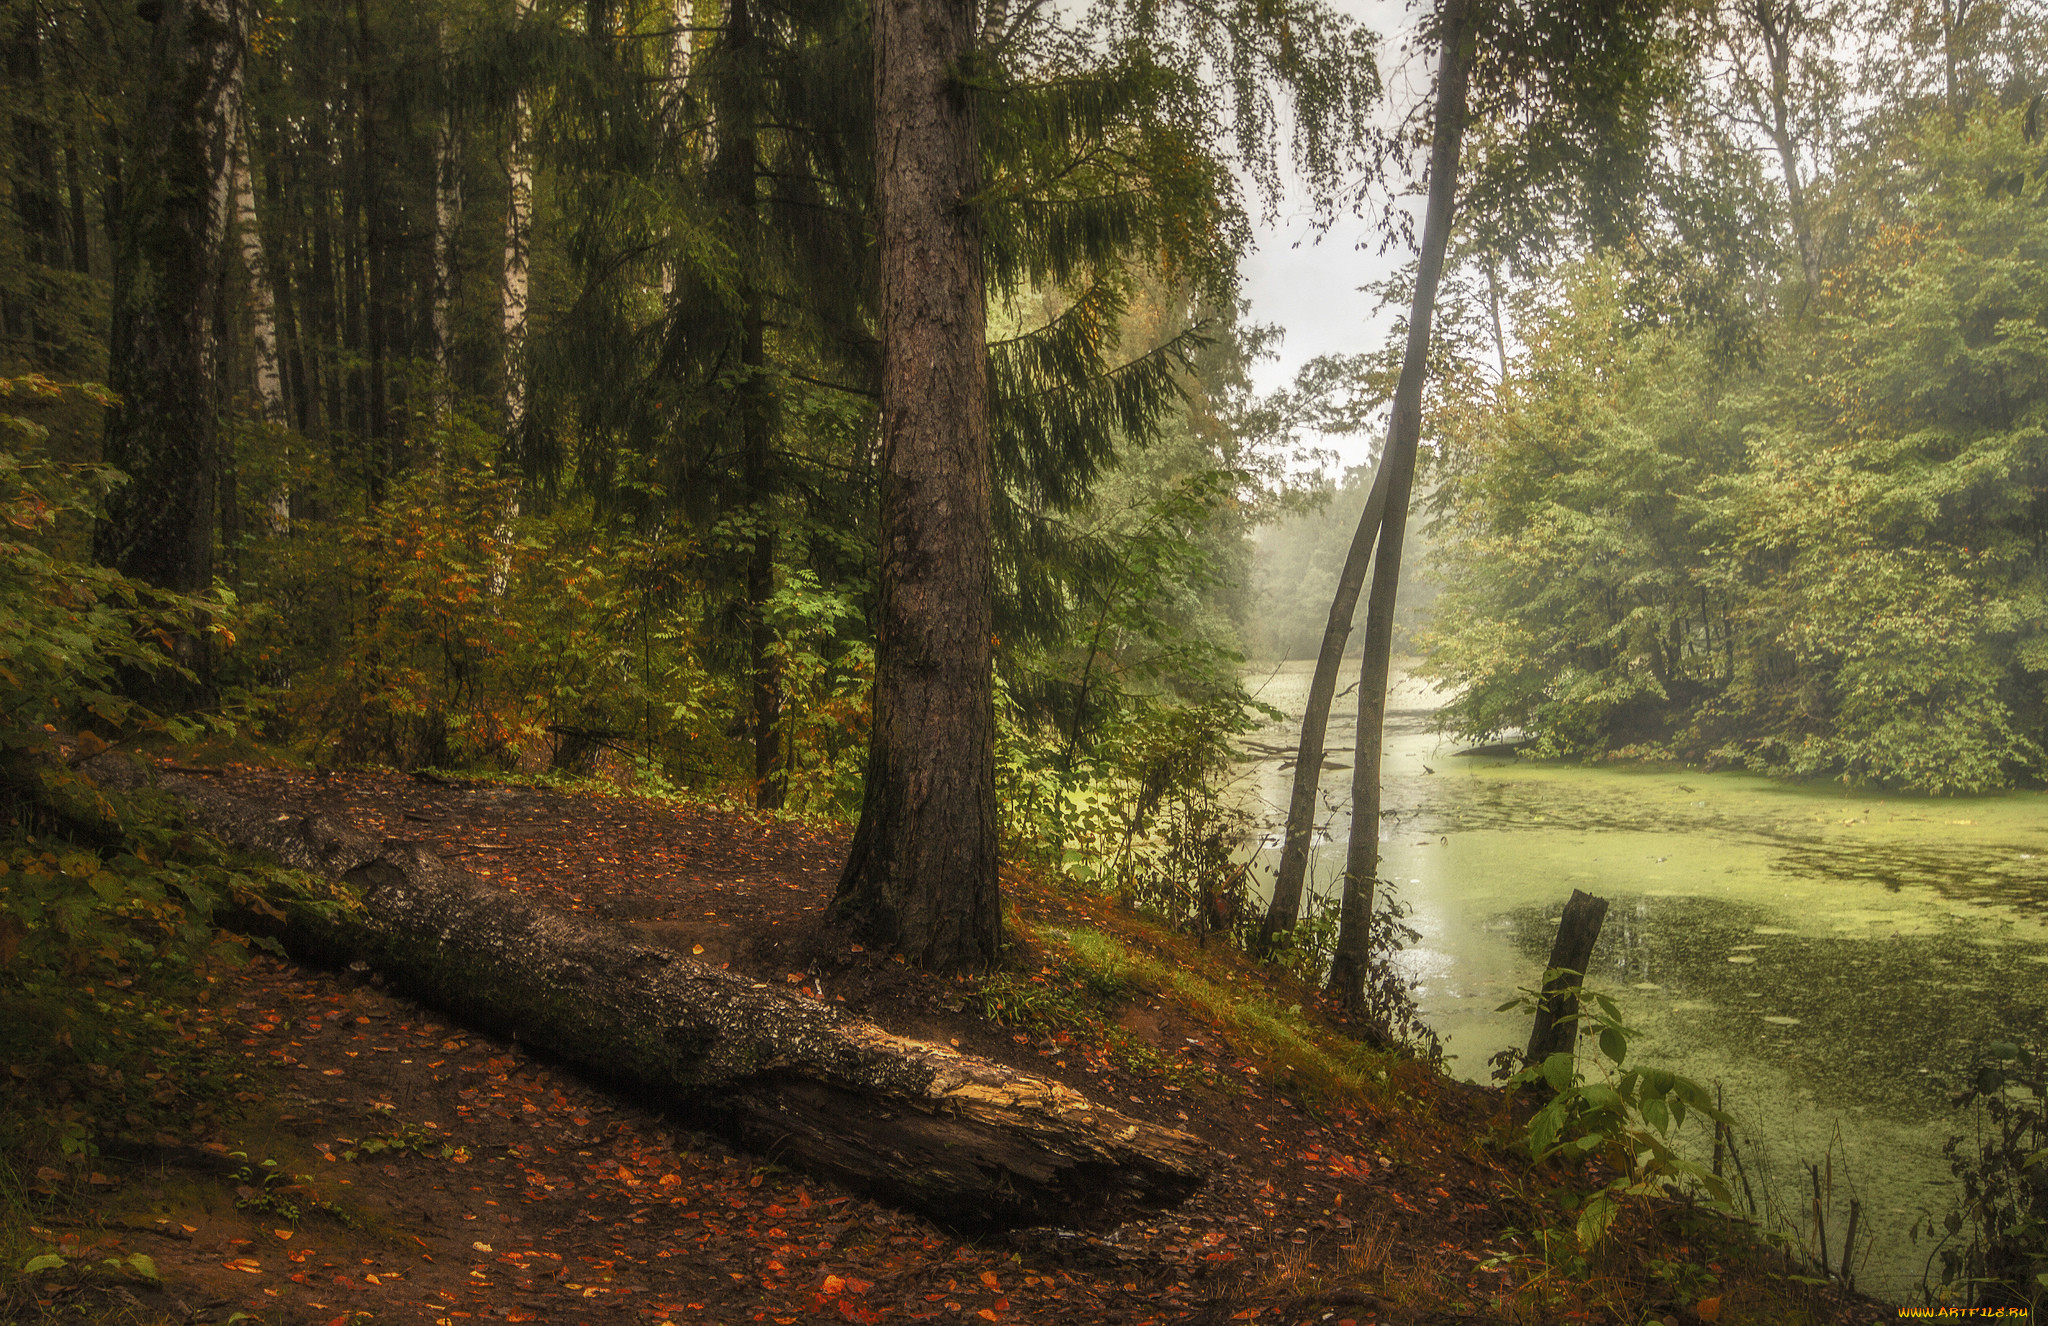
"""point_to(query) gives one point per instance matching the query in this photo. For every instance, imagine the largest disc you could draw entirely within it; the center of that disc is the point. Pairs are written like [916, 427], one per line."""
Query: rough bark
[962, 1139]
[1349, 969]
[1557, 1027]
[921, 876]
[163, 360]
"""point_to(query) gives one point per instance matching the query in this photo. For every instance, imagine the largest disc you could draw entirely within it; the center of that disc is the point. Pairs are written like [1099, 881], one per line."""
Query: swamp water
[1830, 957]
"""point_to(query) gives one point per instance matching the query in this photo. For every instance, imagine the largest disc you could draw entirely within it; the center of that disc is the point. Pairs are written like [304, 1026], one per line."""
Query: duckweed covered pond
[1830, 956]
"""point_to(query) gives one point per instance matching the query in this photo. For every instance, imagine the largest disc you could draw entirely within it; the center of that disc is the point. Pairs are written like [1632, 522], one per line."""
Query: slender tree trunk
[1775, 25]
[1404, 434]
[355, 342]
[377, 259]
[1285, 908]
[81, 237]
[513, 287]
[288, 259]
[1954, 13]
[262, 316]
[736, 170]
[921, 875]
[1500, 339]
[447, 216]
[262, 302]
[514, 290]
[160, 526]
[682, 16]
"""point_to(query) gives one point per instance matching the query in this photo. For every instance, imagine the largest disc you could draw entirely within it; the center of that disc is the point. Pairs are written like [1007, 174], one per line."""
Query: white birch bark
[447, 216]
[262, 319]
[514, 292]
[683, 14]
[234, 212]
[223, 121]
[262, 300]
[514, 287]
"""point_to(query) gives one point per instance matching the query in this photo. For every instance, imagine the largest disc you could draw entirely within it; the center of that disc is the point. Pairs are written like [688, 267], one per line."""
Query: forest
[719, 566]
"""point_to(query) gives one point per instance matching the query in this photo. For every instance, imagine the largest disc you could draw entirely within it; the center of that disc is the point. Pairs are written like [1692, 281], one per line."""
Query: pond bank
[1831, 957]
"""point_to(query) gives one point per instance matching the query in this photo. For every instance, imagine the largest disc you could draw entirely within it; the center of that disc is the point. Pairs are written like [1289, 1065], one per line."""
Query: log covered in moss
[962, 1139]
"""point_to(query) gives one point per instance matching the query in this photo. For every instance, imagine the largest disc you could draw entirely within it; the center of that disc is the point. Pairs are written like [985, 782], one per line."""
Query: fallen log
[962, 1139]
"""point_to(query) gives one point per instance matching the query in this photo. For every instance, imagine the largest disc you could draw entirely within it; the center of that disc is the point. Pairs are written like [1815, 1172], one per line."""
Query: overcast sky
[1310, 286]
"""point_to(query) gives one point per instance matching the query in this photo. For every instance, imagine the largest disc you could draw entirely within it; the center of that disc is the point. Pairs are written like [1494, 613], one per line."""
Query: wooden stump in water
[1557, 1027]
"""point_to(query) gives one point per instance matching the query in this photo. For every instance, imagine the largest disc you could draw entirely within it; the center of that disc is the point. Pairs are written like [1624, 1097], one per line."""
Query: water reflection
[1830, 956]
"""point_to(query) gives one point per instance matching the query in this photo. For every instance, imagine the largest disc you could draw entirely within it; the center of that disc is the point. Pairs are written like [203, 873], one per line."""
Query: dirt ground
[389, 1166]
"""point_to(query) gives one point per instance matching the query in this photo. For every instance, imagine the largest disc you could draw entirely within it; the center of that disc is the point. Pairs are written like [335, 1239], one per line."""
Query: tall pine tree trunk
[921, 875]
[1404, 435]
[163, 360]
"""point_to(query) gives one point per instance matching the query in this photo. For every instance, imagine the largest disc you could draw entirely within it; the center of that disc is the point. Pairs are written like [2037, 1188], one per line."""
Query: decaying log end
[962, 1139]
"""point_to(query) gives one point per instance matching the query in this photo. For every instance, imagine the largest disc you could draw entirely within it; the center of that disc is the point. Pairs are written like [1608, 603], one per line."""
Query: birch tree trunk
[447, 216]
[674, 105]
[921, 875]
[1349, 970]
[514, 290]
[262, 316]
[514, 285]
[262, 301]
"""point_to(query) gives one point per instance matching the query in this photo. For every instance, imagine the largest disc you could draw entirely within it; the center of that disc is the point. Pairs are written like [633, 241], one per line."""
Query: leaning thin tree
[1376, 543]
[921, 875]
[1577, 88]
[1350, 968]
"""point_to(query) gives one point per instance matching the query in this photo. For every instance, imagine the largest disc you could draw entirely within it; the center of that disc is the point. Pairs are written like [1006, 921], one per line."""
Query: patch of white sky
[1316, 282]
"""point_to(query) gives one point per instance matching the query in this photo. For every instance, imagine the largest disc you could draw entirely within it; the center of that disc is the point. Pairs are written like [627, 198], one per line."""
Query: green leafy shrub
[1994, 1252]
[1625, 1115]
[73, 634]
